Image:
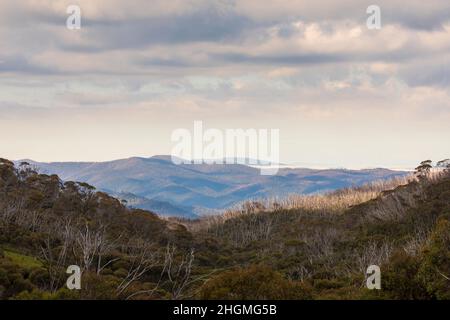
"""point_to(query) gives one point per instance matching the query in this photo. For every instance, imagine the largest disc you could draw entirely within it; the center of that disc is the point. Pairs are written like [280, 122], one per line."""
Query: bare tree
[12, 210]
[88, 243]
[94, 244]
[443, 275]
[178, 272]
[104, 248]
[419, 240]
[55, 257]
[246, 228]
[374, 254]
[143, 257]
[176, 275]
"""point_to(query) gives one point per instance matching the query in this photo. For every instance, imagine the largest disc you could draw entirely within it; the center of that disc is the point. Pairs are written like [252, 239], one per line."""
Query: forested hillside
[188, 190]
[318, 248]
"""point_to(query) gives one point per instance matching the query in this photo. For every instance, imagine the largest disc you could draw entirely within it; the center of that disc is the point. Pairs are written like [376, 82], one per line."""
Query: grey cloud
[427, 74]
[214, 25]
[418, 18]
[290, 59]
[163, 62]
[202, 25]
[20, 64]
[226, 58]
[210, 24]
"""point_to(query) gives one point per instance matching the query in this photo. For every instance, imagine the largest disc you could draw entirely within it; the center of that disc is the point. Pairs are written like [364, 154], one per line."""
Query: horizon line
[281, 165]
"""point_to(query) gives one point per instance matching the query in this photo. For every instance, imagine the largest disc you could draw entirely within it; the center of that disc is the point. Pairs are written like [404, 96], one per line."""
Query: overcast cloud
[341, 94]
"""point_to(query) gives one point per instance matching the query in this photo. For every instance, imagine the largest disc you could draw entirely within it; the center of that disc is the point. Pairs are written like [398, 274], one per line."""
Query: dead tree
[104, 248]
[143, 258]
[178, 272]
[88, 243]
[55, 257]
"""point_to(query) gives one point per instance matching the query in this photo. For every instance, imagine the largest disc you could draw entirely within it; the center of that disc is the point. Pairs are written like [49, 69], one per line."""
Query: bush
[253, 283]
[399, 278]
[33, 295]
[435, 269]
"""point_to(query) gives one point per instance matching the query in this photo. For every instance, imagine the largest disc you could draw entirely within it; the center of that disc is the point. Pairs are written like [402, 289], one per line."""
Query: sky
[341, 95]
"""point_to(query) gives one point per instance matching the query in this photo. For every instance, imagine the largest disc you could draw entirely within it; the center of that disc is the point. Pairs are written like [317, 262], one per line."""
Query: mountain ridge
[188, 190]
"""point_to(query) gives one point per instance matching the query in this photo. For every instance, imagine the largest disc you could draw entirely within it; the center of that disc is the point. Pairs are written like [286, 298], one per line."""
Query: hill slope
[186, 190]
[319, 251]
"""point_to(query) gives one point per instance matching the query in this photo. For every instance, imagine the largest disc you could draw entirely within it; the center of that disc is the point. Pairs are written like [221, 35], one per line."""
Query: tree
[142, 257]
[55, 255]
[423, 169]
[178, 271]
[445, 164]
[93, 244]
[26, 170]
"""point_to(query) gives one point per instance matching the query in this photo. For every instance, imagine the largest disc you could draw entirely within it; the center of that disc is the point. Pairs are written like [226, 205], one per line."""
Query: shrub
[399, 278]
[253, 283]
[435, 269]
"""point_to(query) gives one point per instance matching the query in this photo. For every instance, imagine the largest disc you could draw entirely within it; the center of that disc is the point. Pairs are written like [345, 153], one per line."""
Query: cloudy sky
[342, 95]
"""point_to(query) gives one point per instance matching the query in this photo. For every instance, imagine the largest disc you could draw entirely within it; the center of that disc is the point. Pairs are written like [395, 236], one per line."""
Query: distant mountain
[186, 190]
[161, 207]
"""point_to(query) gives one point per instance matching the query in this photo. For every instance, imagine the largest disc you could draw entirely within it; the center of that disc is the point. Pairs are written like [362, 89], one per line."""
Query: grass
[23, 260]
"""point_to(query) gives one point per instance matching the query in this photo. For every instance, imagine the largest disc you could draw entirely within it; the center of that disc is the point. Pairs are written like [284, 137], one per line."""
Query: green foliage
[302, 253]
[400, 279]
[253, 283]
[435, 268]
[23, 261]
[35, 294]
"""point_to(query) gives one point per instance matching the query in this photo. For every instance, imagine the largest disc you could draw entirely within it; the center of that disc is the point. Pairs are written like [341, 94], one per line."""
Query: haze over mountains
[187, 190]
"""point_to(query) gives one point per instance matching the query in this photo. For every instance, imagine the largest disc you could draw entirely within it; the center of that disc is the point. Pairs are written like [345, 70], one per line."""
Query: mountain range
[190, 190]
